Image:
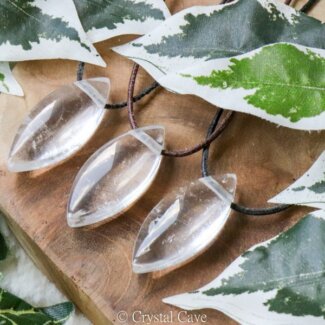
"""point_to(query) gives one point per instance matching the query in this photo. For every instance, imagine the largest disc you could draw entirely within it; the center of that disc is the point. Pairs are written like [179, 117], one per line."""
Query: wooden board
[93, 267]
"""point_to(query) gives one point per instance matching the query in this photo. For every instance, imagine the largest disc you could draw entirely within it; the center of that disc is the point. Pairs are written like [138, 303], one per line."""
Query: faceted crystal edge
[158, 266]
[222, 193]
[147, 140]
[217, 188]
[176, 262]
[92, 92]
[73, 219]
[28, 166]
[15, 167]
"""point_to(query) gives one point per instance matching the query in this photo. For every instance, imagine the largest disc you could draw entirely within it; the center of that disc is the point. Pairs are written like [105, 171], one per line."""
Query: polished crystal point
[184, 224]
[59, 125]
[115, 176]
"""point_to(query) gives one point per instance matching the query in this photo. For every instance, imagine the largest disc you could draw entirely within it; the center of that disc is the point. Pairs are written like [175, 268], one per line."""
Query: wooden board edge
[51, 271]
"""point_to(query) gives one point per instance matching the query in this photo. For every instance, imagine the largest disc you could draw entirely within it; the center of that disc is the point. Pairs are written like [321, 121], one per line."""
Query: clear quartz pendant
[115, 176]
[184, 224]
[59, 125]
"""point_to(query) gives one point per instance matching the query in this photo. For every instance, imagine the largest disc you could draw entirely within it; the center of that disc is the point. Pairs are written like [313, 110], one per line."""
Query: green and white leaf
[8, 83]
[204, 33]
[43, 29]
[282, 83]
[308, 190]
[104, 19]
[281, 281]
[14, 310]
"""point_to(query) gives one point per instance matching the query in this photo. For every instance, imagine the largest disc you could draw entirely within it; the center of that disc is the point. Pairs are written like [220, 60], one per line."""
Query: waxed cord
[214, 131]
[235, 206]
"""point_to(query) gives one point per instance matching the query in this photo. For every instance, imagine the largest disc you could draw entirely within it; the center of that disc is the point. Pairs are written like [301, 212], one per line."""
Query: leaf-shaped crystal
[59, 125]
[184, 224]
[115, 176]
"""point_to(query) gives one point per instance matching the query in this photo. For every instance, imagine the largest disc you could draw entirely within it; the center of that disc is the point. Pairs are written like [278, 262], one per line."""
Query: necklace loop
[173, 153]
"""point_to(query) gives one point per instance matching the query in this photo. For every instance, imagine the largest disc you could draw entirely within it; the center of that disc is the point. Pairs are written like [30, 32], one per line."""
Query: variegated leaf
[308, 190]
[280, 281]
[8, 83]
[205, 33]
[15, 311]
[43, 29]
[104, 19]
[282, 83]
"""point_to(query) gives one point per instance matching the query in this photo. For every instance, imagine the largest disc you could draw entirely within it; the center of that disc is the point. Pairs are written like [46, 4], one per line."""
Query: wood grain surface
[93, 266]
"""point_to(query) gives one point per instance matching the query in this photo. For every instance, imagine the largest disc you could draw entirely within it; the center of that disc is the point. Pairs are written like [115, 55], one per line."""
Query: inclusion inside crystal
[184, 224]
[59, 125]
[115, 176]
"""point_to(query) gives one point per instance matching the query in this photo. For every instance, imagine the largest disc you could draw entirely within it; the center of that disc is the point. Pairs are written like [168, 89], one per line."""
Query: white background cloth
[22, 278]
